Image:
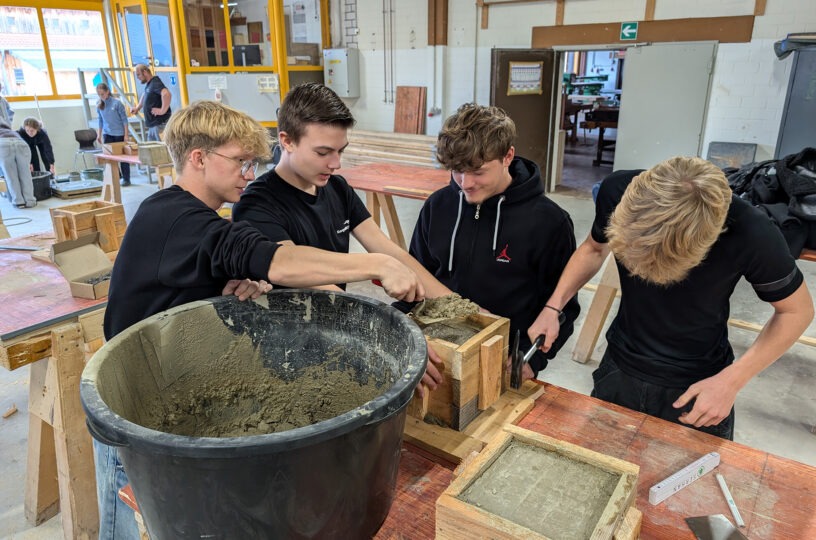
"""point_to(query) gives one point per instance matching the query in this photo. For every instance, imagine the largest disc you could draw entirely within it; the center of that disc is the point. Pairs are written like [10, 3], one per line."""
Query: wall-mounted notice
[525, 78]
[268, 84]
[217, 82]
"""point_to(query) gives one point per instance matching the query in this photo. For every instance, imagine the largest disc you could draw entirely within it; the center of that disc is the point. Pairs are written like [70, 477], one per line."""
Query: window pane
[206, 33]
[249, 25]
[24, 72]
[304, 38]
[76, 39]
[158, 19]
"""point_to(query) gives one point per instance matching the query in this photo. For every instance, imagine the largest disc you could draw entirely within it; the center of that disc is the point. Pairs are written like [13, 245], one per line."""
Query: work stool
[87, 145]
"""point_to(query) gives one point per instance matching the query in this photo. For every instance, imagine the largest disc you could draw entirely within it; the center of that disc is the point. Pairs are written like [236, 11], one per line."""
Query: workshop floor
[776, 412]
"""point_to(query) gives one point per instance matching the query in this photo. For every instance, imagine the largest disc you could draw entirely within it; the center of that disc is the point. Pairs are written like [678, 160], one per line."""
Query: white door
[663, 102]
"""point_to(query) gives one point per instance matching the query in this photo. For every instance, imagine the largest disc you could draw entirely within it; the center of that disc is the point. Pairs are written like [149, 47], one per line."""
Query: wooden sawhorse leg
[111, 190]
[60, 473]
[598, 311]
[383, 204]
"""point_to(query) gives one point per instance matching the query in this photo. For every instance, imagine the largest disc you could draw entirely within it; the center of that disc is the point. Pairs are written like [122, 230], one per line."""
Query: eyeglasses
[246, 164]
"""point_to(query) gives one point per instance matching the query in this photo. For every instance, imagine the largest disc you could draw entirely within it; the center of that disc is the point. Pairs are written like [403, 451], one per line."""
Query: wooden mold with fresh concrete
[473, 349]
[528, 485]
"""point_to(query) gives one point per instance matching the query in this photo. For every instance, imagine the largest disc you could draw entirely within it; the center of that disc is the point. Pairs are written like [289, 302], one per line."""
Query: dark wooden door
[531, 112]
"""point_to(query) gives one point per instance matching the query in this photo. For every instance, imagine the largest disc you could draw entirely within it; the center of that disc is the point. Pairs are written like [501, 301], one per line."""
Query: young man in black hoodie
[492, 235]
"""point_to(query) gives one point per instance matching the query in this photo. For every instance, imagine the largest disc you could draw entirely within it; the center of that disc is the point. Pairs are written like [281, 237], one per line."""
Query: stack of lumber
[399, 148]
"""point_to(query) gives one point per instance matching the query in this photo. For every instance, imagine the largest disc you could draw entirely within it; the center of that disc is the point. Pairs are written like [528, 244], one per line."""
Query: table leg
[373, 205]
[59, 436]
[597, 313]
[392, 223]
[599, 154]
[111, 190]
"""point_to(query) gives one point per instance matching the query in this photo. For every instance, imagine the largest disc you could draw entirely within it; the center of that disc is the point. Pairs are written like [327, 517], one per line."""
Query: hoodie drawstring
[498, 217]
[455, 228]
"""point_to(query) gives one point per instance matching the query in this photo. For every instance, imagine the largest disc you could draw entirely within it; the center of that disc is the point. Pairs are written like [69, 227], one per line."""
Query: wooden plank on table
[446, 443]
[62, 228]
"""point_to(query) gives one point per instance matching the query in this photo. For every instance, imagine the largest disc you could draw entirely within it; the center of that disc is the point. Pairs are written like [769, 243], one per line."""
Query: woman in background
[112, 124]
[35, 136]
[14, 167]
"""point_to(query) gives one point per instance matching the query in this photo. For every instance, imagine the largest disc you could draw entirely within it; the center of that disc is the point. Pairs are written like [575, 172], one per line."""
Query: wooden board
[458, 518]
[409, 112]
[454, 446]
[407, 181]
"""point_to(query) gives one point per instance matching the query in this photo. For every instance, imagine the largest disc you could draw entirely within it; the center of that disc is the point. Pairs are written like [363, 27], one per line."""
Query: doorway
[591, 89]
[651, 106]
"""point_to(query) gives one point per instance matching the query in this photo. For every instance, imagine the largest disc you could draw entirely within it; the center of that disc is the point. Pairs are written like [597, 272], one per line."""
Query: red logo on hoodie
[503, 256]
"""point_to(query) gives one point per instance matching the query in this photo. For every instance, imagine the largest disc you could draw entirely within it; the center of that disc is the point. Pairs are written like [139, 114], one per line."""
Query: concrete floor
[776, 412]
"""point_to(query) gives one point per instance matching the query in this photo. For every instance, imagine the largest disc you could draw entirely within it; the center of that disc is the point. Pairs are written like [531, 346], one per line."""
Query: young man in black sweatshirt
[177, 249]
[492, 235]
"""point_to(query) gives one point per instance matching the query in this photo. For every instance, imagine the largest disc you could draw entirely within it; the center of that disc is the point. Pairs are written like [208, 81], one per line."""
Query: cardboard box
[80, 261]
[113, 148]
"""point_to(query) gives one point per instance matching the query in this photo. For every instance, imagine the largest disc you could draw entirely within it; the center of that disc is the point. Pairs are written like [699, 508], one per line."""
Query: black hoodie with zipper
[506, 254]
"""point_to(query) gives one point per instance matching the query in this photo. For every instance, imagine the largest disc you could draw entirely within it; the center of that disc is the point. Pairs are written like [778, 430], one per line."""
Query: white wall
[748, 88]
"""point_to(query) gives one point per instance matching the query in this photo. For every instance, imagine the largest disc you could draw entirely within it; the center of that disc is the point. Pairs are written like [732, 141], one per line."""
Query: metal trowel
[716, 527]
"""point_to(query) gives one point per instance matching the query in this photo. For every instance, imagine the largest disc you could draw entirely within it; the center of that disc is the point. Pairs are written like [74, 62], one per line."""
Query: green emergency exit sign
[629, 31]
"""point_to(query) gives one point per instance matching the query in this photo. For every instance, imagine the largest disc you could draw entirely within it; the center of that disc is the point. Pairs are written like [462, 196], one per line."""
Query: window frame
[39, 5]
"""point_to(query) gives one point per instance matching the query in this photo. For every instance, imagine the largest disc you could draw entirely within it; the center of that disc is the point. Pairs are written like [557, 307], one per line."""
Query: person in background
[682, 241]
[113, 124]
[492, 235]
[155, 101]
[15, 158]
[178, 250]
[37, 138]
[6, 112]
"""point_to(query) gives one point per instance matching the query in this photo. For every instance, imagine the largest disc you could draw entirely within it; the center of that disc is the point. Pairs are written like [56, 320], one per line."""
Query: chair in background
[87, 145]
[727, 154]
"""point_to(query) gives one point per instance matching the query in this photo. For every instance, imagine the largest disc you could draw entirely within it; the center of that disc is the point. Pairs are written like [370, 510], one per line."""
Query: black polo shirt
[676, 335]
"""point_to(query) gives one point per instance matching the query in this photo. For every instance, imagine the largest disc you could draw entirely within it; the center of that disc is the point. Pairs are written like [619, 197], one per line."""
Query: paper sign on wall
[268, 84]
[217, 82]
[525, 78]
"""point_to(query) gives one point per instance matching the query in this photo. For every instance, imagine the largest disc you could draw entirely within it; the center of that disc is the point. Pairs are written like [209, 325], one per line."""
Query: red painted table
[776, 496]
[383, 181]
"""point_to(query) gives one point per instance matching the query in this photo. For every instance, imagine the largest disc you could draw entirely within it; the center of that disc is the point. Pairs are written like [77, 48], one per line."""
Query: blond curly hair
[206, 125]
[668, 219]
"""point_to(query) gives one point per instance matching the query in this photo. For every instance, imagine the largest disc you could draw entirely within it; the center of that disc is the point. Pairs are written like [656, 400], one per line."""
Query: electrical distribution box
[341, 71]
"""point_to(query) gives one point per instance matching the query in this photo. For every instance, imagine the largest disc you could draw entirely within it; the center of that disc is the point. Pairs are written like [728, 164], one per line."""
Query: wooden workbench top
[34, 293]
[409, 181]
[776, 496]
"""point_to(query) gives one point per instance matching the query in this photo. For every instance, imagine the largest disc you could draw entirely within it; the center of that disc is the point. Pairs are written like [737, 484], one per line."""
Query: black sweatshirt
[178, 250]
[40, 142]
[508, 252]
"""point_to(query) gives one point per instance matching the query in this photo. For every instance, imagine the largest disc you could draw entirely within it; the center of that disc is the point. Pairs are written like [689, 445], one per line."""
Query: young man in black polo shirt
[682, 241]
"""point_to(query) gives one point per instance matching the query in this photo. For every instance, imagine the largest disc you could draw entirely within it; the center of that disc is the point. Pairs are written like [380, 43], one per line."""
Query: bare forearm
[582, 266]
[433, 287]
[302, 266]
[777, 336]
